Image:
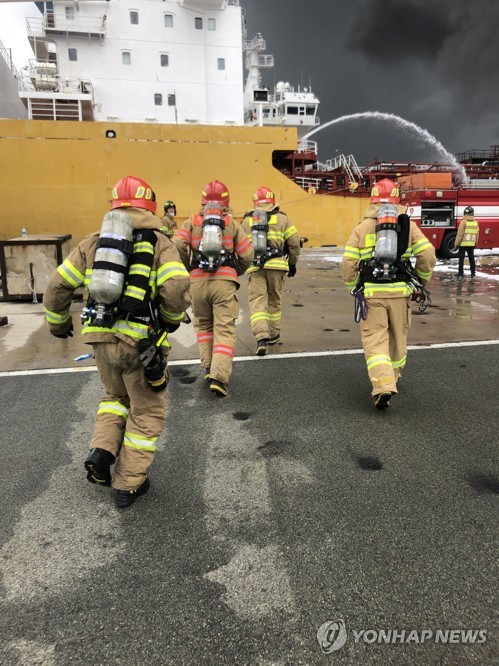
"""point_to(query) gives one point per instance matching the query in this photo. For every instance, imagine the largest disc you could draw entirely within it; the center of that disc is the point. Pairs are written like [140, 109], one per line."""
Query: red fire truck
[439, 212]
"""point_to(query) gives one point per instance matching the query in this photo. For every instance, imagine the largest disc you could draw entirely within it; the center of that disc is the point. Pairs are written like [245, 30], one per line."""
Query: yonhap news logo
[333, 635]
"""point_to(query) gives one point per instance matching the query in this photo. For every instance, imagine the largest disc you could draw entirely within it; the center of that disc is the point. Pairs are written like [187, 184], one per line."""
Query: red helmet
[385, 191]
[132, 191]
[215, 191]
[263, 195]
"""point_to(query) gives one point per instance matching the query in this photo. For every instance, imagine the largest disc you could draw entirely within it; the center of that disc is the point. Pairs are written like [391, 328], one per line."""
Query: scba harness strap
[137, 294]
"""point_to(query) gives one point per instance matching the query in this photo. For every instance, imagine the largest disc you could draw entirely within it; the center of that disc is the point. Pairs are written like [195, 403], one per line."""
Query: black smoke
[433, 62]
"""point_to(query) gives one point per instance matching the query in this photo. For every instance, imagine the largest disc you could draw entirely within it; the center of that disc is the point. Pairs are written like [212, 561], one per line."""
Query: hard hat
[215, 191]
[263, 196]
[170, 204]
[468, 211]
[133, 191]
[385, 191]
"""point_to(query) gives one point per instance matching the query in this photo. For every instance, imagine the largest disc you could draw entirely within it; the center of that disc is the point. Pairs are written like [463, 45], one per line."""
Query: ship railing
[257, 42]
[306, 146]
[59, 23]
[7, 56]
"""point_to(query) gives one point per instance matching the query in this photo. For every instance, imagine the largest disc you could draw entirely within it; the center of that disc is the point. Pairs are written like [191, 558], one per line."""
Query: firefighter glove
[67, 334]
[292, 270]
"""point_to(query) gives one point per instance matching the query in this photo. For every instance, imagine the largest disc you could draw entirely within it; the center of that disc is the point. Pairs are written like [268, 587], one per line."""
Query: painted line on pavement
[260, 359]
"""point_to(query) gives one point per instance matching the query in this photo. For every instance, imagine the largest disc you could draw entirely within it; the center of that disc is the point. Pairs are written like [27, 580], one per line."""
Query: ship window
[126, 57]
[292, 110]
[168, 20]
[302, 110]
[70, 13]
[310, 110]
[221, 63]
[158, 99]
[165, 60]
[198, 23]
[134, 18]
[212, 24]
[260, 95]
[73, 54]
[171, 100]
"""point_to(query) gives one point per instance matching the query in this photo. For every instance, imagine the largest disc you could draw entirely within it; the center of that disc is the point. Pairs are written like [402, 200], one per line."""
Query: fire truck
[439, 212]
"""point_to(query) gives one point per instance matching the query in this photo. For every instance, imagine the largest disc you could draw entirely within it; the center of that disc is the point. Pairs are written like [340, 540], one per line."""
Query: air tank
[114, 248]
[211, 240]
[386, 235]
[259, 230]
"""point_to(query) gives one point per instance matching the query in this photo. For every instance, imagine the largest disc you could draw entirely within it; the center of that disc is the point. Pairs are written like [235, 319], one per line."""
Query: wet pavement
[317, 316]
[289, 505]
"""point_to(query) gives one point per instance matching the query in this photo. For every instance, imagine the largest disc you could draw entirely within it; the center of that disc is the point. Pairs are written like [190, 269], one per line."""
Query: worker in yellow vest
[466, 241]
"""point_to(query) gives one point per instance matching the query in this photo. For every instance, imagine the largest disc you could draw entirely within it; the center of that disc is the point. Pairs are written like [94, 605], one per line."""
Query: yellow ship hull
[57, 177]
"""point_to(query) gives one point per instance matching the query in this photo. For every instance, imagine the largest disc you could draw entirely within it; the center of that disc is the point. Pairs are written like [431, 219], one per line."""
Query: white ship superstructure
[160, 61]
[287, 106]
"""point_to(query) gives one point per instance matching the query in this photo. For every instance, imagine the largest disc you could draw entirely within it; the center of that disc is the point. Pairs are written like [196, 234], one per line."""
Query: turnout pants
[215, 307]
[470, 251]
[131, 415]
[384, 339]
[265, 287]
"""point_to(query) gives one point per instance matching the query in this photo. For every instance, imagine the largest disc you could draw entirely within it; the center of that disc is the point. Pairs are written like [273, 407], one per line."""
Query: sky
[432, 62]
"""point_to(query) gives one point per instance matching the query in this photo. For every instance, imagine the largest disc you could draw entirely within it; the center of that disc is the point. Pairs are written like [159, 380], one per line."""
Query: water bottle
[24, 234]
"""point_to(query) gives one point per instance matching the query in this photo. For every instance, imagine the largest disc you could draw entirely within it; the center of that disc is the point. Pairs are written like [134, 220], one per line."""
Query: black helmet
[468, 211]
[170, 204]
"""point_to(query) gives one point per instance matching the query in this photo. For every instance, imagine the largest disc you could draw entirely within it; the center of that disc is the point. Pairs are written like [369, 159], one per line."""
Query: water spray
[403, 124]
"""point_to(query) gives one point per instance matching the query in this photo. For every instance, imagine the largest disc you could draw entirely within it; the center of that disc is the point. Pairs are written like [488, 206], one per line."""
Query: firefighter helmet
[263, 196]
[385, 191]
[468, 210]
[170, 204]
[133, 191]
[215, 191]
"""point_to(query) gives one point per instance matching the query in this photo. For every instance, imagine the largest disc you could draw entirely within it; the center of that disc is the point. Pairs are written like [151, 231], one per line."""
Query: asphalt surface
[289, 504]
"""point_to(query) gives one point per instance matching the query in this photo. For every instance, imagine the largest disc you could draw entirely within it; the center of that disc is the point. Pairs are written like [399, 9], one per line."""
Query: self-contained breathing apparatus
[211, 253]
[386, 264]
[259, 239]
[115, 287]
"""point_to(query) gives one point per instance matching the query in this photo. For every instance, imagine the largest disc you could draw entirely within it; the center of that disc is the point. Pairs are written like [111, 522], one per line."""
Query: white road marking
[259, 359]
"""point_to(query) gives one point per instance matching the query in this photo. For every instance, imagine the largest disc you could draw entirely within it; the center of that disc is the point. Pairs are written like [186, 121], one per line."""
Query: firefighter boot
[274, 339]
[261, 349]
[219, 388]
[206, 375]
[98, 466]
[126, 498]
[382, 400]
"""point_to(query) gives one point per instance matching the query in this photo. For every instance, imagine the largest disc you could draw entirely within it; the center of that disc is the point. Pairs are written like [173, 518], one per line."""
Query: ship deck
[289, 504]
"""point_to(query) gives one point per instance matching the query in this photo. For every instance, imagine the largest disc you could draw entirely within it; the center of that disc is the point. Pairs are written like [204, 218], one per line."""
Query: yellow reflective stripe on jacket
[470, 236]
[399, 364]
[379, 359]
[366, 253]
[170, 270]
[116, 408]
[170, 316]
[139, 269]
[274, 316]
[424, 275]
[125, 327]
[421, 245]
[135, 292]
[143, 246]
[88, 275]
[290, 231]
[277, 263]
[72, 275]
[370, 240]
[352, 252]
[400, 288]
[139, 442]
[55, 318]
[275, 234]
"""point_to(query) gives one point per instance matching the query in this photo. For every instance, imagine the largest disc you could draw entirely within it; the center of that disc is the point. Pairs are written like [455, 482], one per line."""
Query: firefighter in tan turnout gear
[276, 245]
[376, 268]
[138, 292]
[216, 251]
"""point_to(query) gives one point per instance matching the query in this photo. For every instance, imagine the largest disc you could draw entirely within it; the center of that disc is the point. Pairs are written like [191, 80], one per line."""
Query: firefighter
[132, 413]
[387, 291]
[466, 240]
[214, 280]
[277, 247]
[169, 225]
